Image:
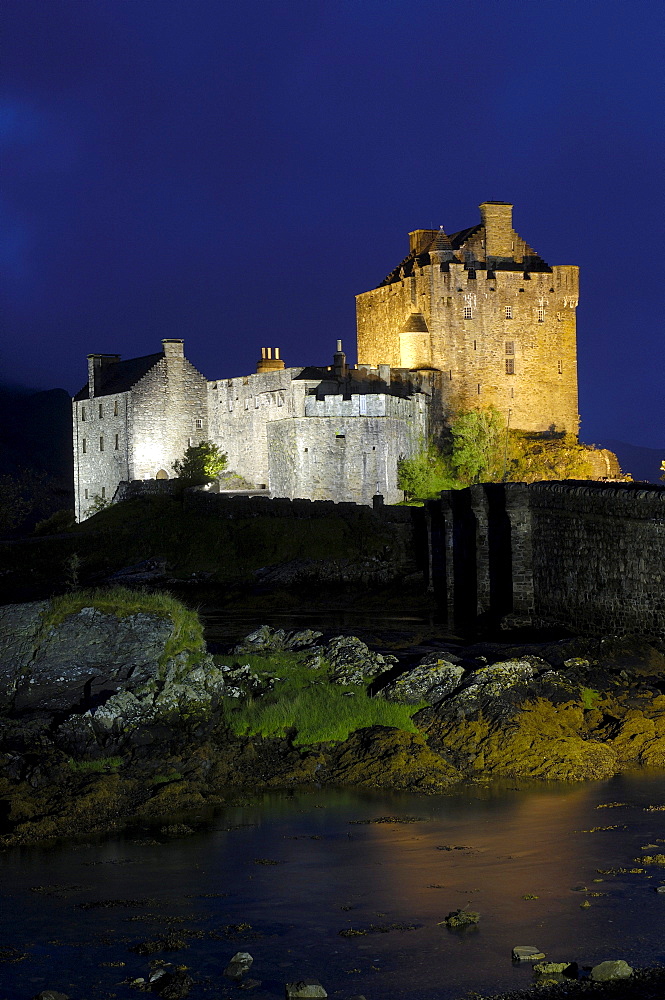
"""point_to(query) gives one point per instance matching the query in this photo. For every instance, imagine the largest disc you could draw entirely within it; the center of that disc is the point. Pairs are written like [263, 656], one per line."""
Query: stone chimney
[96, 365]
[173, 348]
[497, 219]
[270, 361]
[339, 361]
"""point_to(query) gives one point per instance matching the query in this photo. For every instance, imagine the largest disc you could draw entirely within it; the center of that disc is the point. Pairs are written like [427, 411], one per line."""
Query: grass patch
[100, 766]
[305, 701]
[590, 697]
[164, 779]
[187, 635]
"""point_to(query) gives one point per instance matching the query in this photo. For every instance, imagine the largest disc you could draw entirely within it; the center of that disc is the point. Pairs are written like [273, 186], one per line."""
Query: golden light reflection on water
[301, 868]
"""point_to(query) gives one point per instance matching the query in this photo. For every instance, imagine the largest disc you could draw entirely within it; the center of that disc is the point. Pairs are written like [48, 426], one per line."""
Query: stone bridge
[589, 555]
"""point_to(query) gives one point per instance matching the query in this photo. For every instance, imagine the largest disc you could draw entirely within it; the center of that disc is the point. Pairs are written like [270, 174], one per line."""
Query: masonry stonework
[587, 555]
[465, 321]
[487, 312]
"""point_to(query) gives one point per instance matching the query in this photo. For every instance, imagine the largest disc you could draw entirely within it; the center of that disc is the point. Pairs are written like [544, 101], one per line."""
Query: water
[335, 872]
[386, 630]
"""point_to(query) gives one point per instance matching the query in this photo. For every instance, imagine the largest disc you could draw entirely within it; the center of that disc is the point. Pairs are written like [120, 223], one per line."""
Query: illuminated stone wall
[168, 412]
[138, 433]
[335, 452]
[489, 314]
[240, 409]
[101, 445]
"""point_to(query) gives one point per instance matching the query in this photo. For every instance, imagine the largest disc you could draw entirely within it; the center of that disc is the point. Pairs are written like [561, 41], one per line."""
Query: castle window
[115, 407]
[559, 317]
[479, 388]
[247, 403]
[340, 437]
[101, 410]
[510, 347]
[541, 314]
[198, 423]
[468, 312]
[471, 275]
[230, 408]
[117, 442]
[101, 444]
[560, 366]
[103, 492]
[475, 347]
[510, 366]
[83, 413]
[509, 312]
[85, 495]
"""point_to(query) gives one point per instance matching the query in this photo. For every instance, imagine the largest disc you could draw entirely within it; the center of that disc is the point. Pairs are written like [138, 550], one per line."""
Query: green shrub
[201, 463]
[62, 520]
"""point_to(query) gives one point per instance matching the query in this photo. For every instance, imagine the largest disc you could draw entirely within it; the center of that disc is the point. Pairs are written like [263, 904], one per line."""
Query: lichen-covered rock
[269, 640]
[495, 690]
[382, 757]
[431, 681]
[542, 740]
[457, 919]
[605, 971]
[352, 662]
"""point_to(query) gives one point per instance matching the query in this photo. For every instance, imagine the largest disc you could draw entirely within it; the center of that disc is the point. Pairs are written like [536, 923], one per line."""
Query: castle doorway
[162, 474]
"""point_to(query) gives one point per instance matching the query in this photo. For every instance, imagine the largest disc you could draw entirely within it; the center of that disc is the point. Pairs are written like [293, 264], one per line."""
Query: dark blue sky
[234, 173]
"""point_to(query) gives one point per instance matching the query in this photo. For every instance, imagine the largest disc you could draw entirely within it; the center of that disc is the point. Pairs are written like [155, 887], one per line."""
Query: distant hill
[36, 461]
[642, 463]
[36, 432]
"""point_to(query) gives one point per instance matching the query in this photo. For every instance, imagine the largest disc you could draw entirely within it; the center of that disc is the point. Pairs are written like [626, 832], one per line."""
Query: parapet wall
[587, 555]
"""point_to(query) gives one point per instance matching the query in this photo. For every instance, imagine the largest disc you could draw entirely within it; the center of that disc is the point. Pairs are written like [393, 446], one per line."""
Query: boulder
[268, 640]
[611, 970]
[352, 662]
[240, 964]
[304, 989]
[496, 690]
[85, 658]
[431, 681]
[527, 953]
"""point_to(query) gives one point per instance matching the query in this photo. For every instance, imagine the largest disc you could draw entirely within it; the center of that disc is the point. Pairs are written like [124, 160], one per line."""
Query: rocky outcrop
[82, 661]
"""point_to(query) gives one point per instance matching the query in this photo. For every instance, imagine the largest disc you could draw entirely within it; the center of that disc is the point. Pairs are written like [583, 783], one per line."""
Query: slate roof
[120, 376]
[456, 243]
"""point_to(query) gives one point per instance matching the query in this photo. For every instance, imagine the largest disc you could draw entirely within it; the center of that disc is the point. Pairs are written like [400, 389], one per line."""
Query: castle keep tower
[484, 309]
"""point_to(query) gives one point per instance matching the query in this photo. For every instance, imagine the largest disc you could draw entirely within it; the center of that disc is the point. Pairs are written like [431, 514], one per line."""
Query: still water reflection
[487, 848]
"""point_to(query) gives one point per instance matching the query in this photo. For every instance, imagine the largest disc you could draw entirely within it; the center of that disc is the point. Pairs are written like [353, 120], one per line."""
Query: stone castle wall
[506, 341]
[101, 448]
[587, 555]
[168, 412]
[240, 410]
[343, 457]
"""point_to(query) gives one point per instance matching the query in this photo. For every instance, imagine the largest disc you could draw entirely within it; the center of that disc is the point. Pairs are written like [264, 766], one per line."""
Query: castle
[468, 320]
